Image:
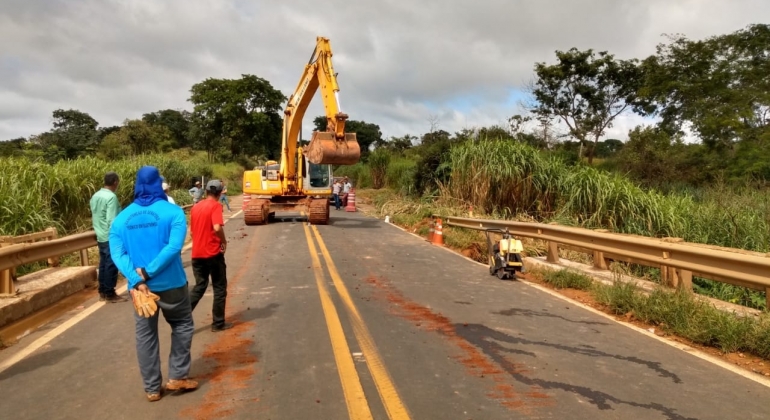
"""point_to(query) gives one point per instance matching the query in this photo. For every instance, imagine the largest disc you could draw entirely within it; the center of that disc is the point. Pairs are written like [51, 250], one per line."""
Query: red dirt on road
[474, 361]
[232, 365]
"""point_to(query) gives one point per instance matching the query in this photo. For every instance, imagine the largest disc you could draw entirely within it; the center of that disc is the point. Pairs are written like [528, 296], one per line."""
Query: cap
[164, 186]
[214, 185]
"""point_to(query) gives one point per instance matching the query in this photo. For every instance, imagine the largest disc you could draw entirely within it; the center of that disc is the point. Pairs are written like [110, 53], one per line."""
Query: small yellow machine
[303, 177]
[504, 255]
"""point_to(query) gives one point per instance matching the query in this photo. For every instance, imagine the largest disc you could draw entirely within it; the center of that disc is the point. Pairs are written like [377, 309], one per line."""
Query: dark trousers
[336, 201]
[175, 305]
[108, 272]
[216, 268]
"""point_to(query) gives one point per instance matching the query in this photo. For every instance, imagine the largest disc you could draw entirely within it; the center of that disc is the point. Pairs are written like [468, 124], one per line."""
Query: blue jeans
[108, 272]
[336, 201]
[175, 305]
[223, 199]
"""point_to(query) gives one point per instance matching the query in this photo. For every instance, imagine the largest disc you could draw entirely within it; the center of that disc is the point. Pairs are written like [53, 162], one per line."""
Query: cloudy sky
[399, 62]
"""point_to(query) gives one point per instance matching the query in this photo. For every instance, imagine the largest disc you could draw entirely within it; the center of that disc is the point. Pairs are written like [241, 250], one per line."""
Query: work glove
[145, 304]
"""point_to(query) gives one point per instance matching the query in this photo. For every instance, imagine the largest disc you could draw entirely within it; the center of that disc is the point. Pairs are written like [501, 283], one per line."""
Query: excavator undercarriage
[258, 211]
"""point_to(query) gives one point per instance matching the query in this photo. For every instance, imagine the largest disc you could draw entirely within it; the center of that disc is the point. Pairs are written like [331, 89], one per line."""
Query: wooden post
[553, 252]
[84, 257]
[6, 279]
[664, 276]
[599, 261]
[53, 261]
[6, 284]
[685, 280]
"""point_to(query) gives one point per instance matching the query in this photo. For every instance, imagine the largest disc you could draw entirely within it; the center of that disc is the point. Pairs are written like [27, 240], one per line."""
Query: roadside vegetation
[676, 313]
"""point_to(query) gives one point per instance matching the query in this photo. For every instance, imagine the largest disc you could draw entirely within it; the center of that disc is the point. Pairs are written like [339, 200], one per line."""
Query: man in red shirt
[208, 253]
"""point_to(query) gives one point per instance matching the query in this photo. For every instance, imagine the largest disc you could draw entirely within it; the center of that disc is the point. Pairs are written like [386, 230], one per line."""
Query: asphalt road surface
[360, 320]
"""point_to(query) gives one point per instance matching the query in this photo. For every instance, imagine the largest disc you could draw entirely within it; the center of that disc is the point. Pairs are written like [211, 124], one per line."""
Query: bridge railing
[20, 250]
[678, 261]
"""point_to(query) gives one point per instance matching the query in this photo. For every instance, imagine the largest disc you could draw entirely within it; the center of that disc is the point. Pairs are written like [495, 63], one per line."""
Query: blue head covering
[148, 188]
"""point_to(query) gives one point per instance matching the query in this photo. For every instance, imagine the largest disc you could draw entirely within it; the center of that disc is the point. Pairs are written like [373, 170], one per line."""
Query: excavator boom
[333, 146]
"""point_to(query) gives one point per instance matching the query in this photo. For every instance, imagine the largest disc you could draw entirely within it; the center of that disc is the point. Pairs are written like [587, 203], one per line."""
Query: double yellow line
[358, 406]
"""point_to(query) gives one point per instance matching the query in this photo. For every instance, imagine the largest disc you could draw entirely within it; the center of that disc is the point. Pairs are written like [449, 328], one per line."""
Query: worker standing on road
[223, 197]
[165, 191]
[336, 193]
[146, 242]
[209, 244]
[345, 191]
[195, 192]
[105, 206]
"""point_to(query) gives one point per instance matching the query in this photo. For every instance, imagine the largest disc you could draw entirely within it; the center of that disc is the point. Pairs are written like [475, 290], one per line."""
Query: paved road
[360, 320]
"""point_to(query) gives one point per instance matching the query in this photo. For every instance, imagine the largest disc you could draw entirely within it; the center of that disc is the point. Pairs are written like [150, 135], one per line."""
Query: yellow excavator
[302, 179]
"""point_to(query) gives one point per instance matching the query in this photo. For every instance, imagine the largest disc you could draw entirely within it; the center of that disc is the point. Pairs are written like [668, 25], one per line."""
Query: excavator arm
[333, 146]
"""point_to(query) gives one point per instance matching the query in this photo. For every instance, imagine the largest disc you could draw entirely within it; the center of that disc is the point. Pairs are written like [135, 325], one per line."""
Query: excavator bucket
[325, 149]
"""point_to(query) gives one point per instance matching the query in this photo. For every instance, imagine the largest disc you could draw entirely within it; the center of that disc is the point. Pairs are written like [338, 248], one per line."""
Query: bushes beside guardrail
[38, 195]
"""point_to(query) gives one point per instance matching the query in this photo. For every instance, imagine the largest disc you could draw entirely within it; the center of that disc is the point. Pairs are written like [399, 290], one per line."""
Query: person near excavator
[146, 242]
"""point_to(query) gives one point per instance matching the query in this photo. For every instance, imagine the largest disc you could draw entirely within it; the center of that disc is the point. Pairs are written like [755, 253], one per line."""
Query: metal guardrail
[24, 253]
[678, 261]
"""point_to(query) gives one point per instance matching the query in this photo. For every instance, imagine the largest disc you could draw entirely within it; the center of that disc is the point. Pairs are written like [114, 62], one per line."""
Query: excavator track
[318, 211]
[256, 213]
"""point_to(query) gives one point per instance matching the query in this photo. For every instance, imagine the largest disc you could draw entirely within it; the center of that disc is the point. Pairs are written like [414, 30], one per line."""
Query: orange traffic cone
[438, 234]
[351, 206]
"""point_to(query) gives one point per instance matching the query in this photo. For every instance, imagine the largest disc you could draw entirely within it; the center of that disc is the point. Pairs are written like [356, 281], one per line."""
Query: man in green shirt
[104, 207]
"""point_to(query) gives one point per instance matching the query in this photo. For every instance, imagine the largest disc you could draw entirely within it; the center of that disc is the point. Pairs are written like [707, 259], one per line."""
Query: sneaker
[181, 384]
[227, 326]
[115, 299]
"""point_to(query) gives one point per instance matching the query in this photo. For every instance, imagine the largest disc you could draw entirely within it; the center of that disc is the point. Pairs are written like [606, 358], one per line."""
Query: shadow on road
[489, 341]
[528, 313]
[29, 364]
[351, 223]
[246, 315]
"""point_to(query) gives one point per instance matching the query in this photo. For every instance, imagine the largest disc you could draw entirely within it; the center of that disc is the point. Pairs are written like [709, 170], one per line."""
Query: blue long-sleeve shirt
[150, 237]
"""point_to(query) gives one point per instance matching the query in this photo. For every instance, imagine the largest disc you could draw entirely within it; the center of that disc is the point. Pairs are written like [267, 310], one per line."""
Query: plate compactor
[504, 255]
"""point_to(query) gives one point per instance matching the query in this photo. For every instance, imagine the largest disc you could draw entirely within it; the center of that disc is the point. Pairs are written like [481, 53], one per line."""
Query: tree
[74, 134]
[398, 144]
[585, 91]
[367, 134]
[177, 122]
[136, 137]
[719, 85]
[243, 113]
[13, 147]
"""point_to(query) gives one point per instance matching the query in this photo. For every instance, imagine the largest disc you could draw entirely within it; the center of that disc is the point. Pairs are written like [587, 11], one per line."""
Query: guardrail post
[553, 252]
[6, 280]
[685, 280]
[53, 261]
[84, 257]
[599, 261]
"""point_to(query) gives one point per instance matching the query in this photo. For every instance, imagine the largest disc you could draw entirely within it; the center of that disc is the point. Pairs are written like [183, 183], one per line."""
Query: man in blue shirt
[146, 242]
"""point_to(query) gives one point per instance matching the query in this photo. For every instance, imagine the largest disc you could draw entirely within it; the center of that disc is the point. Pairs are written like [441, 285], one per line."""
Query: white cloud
[398, 61]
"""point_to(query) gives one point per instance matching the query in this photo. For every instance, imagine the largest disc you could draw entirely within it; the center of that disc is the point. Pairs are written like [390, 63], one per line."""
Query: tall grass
[378, 164]
[359, 174]
[508, 177]
[37, 195]
[399, 176]
[513, 178]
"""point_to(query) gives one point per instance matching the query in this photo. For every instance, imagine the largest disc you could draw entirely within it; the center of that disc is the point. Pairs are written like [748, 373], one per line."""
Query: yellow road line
[390, 398]
[358, 407]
